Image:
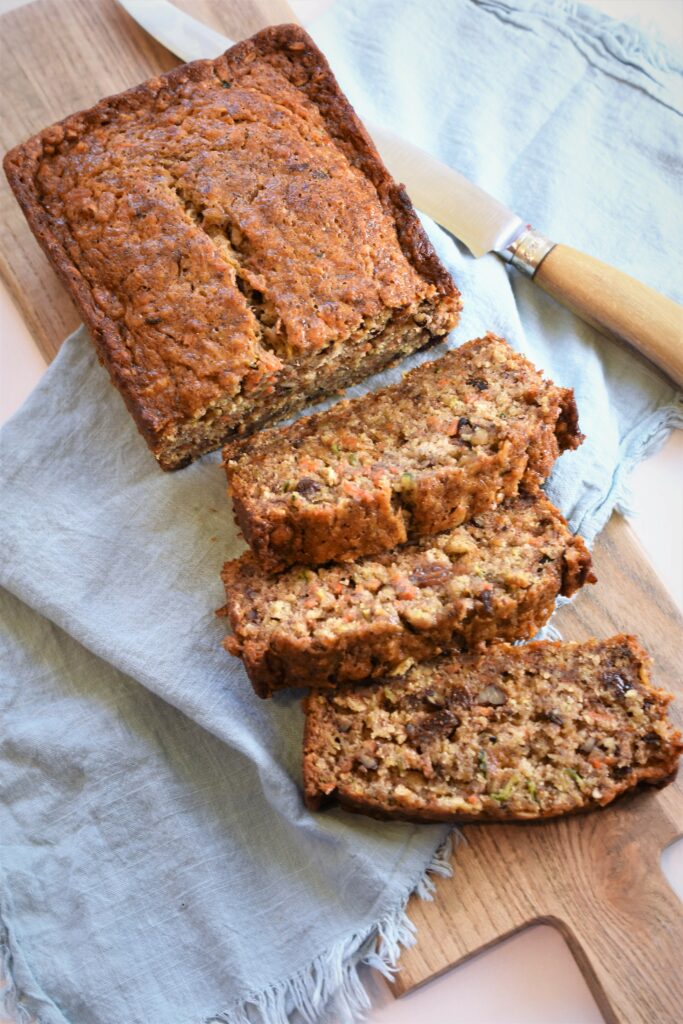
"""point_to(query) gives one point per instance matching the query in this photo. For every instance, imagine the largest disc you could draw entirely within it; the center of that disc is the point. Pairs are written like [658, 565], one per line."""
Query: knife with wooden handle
[616, 304]
[608, 299]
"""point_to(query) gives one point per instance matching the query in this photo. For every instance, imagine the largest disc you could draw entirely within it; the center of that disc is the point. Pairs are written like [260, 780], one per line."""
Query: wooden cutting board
[597, 878]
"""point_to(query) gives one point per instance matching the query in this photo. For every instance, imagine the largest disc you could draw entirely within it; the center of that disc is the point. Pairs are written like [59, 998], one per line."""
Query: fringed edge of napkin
[643, 441]
[331, 987]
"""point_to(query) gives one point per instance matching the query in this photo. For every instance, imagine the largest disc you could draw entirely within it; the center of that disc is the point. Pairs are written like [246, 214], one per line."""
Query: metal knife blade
[187, 37]
[467, 211]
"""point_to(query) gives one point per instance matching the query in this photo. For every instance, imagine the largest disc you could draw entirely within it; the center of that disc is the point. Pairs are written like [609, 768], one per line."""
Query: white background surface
[532, 978]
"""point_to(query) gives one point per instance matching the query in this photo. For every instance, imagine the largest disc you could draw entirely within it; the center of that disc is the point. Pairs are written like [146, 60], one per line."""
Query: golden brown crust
[495, 578]
[454, 438]
[199, 324]
[515, 734]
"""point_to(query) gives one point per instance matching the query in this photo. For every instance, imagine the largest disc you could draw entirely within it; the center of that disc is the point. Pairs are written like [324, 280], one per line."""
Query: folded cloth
[157, 865]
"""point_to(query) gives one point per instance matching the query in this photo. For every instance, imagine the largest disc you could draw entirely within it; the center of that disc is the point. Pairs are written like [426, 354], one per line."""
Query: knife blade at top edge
[467, 211]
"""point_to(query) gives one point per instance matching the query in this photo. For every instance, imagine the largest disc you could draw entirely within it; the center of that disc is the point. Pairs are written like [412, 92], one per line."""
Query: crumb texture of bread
[516, 733]
[495, 578]
[456, 437]
[233, 242]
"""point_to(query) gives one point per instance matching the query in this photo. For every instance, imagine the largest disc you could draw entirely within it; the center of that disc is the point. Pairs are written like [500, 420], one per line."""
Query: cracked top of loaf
[219, 221]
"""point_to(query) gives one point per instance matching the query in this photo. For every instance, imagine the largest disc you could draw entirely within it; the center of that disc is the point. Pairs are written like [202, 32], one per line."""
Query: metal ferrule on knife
[528, 250]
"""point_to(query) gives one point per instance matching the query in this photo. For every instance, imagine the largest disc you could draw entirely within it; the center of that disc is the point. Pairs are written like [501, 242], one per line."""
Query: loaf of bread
[494, 578]
[454, 438]
[233, 242]
[515, 733]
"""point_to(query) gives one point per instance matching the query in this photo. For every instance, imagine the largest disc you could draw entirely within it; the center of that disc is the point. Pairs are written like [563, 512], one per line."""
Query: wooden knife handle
[617, 305]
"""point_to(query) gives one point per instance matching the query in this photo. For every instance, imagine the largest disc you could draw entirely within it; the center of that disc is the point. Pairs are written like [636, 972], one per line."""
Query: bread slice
[517, 733]
[233, 242]
[454, 438]
[494, 578]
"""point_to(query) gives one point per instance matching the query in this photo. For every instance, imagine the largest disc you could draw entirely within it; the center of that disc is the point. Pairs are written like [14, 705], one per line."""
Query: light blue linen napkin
[156, 863]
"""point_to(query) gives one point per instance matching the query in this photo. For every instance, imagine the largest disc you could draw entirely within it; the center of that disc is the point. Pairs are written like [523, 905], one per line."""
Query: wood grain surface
[597, 878]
